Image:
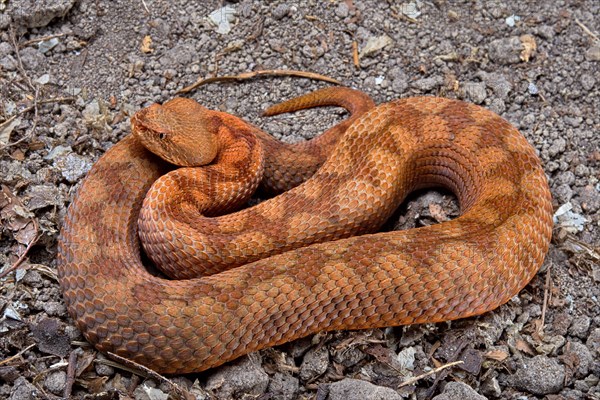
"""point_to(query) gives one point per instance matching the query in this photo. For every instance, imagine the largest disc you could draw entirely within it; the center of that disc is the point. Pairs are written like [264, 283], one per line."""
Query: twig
[23, 256]
[55, 100]
[19, 354]
[44, 101]
[71, 368]
[547, 284]
[33, 87]
[146, 6]
[253, 74]
[136, 368]
[355, 57]
[426, 374]
[41, 39]
[587, 30]
[26, 110]
[13, 38]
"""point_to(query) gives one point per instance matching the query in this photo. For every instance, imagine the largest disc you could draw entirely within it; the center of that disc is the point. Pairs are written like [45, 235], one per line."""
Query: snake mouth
[138, 128]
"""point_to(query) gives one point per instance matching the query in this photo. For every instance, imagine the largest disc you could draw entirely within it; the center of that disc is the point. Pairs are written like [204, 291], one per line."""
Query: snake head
[180, 131]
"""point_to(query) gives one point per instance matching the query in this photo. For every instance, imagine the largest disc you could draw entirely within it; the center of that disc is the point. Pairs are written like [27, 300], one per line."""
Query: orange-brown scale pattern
[456, 269]
[291, 164]
[175, 225]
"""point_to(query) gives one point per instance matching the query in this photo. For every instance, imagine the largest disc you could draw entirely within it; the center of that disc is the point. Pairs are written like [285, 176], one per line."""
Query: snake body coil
[451, 270]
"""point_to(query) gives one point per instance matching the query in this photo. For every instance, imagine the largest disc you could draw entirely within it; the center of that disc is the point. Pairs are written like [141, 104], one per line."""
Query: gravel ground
[71, 74]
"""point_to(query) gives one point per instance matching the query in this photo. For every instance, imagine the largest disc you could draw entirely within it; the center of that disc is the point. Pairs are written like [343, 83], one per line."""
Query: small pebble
[459, 391]
[355, 389]
[103, 369]
[428, 84]
[563, 193]
[5, 49]
[580, 357]
[55, 382]
[475, 92]
[539, 375]
[587, 81]
[593, 53]
[75, 167]
[505, 51]
[593, 342]
[281, 11]
[566, 177]
[24, 390]
[314, 364]
[284, 386]
[580, 327]
[342, 10]
[589, 197]
[245, 376]
[558, 146]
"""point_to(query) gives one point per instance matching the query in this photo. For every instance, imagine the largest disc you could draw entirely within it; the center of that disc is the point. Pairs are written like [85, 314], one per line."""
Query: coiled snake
[451, 270]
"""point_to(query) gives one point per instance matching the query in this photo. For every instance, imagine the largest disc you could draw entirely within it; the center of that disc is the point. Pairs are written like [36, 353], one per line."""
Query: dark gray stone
[245, 376]
[459, 391]
[539, 375]
[355, 389]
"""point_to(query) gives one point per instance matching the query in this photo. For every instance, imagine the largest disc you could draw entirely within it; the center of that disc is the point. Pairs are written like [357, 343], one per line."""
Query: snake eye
[162, 136]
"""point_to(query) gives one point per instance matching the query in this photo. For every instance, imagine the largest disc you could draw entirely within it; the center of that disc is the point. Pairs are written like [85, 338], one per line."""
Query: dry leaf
[351, 6]
[27, 234]
[234, 46]
[84, 362]
[96, 385]
[18, 155]
[382, 354]
[529, 47]
[17, 218]
[12, 212]
[374, 44]
[450, 82]
[525, 347]
[498, 355]
[146, 46]
[6, 129]
[538, 330]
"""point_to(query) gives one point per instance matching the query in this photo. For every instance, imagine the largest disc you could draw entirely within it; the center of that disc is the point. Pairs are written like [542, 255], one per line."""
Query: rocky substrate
[72, 73]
